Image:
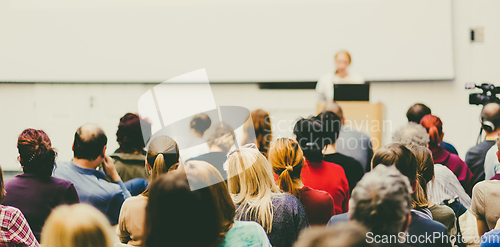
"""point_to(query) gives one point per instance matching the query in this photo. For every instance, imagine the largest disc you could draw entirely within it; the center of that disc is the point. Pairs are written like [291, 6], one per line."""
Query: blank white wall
[60, 109]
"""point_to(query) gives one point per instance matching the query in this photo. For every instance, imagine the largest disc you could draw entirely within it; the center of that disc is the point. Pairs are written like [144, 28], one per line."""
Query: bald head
[335, 108]
[89, 142]
[491, 113]
[417, 112]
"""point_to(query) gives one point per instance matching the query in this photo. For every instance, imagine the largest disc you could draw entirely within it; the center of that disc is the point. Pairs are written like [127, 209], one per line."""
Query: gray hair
[381, 201]
[411, 134]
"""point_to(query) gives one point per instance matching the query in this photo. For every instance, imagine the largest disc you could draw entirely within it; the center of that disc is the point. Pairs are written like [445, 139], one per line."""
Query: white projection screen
[234, 40]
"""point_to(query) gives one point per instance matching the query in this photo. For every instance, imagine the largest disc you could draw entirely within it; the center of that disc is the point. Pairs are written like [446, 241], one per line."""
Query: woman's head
[201, 174]
[434, 127]
[287, 161]
[180, 216]
[308, 133]
[342, 61]
[251, 182]
[330, 127]
[163, 154]
[398, 155]
[262, 128]
[36, 154]
[425, 173]
[129, 133]
[79, 225]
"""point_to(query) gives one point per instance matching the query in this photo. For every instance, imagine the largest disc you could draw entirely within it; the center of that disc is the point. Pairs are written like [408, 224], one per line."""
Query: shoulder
[285, 200]
[10, 213]
[356, 78]
[485, 186]
[456, 159]
[420, 224]
[319, 194]
[136, 201]
[61, 182]
[444, 211]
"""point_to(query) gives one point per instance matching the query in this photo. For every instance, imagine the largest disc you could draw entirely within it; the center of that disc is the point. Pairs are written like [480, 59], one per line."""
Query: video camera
[488, 95]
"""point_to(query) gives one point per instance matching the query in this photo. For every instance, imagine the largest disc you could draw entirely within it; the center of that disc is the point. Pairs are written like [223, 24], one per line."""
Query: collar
[86, 171]
[129, 156]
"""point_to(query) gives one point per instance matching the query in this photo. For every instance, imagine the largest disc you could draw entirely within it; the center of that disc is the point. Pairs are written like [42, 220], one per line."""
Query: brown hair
[36, 152]
[287, 161]
[162, 156]
[398, 155]
[262, 128]
[425, 173]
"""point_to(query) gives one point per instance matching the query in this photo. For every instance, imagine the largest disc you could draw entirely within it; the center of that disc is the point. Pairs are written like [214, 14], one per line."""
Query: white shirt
[491, 164]
[445, 185]
[324, 87]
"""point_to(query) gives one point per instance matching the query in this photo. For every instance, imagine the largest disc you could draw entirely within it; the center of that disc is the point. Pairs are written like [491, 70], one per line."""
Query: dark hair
[129, 134]
[36, 152]
[417, 112]
[309, 137]
[398, 155]
[330, 127]
[200, 123]
[89, 148]
[179, 216]
[262, 128]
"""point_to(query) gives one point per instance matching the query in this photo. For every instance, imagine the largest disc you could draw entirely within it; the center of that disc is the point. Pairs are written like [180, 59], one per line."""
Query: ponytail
[285, 182]
[162, 157]
[158, 167]
[434, 127]
[419, 196]
[287, 161]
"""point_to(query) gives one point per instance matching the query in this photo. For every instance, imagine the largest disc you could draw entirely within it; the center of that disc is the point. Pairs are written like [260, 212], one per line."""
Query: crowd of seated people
[300, 191]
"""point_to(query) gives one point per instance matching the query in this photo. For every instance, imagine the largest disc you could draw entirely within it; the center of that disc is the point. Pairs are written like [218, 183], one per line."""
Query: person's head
[308, 133]
[342, 61]
[434, 126]
[200, 123]
[287, 161]
[417, 112]
[206, 175]
[401, 157]
[36, 154]
[330, 127]
[334, 107]
[162, 156]
[490, 117]
[251, 182]
[381, 201]
[411, 134]
[179, 216]
[342, 234]
[90, 143]
[221, 136]
[78, 225]
[262, 128]
[129, 133]
[425, 173]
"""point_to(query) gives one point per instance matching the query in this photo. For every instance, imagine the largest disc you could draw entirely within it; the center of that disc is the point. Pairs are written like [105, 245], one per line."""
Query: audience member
[350, 142]
[162, 156]
[415, 115]
[262, 128]
[196, 144]
[220, 139]
[257, 198]
[354, 171]
[425, 173]
[492, 162]
[79, 225]
[490, 123]
[411, 134]
[318, 173]
[343, 234]
[15, 229]
[89, 149]
[491, 238]
[434, 127]
[287, 160]
[129, 157]
[36, 192]
[485, 201]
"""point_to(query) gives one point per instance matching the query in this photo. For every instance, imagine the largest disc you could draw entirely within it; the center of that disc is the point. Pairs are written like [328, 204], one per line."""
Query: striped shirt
[15, 231]
[445, 185]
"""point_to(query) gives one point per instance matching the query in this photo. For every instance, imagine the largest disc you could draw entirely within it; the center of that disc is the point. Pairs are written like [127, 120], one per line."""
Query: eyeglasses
[248, 145]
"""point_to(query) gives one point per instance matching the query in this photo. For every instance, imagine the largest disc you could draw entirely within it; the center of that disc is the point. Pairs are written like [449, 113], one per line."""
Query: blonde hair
[162, 156]
[425, 173]
[251, 184]
[79, 225]
[346, 53]
[287, 161]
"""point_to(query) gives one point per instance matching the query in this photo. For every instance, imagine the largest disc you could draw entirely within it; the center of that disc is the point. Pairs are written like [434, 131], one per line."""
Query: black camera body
[489, 94]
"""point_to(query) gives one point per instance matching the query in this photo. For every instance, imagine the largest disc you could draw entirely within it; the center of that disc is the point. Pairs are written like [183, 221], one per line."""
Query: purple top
[456, 165]
[36, 197]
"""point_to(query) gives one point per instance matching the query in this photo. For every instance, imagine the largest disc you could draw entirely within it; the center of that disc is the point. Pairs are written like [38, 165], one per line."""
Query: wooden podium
[363, 116]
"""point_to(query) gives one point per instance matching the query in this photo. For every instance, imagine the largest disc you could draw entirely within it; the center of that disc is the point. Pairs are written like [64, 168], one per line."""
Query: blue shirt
[246, 233]
[93, 189]
[491, 238]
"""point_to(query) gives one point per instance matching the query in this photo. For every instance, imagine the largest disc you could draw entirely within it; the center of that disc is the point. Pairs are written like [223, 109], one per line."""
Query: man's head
[417, 112]
[490, 117]
[411, 134]
[90, 142]
[334, 107]
[200, 123]
[381, 201]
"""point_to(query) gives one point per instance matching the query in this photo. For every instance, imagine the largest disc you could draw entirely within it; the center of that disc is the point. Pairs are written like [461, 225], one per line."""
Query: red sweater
[331, 178]
[318, 205]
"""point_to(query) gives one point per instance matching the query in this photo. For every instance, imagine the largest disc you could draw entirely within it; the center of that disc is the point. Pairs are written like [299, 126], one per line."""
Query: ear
[103, 154]
[407, 223]
[148, 166]
[73, 147]
[414, 187]
[342, 121]
[442, 136]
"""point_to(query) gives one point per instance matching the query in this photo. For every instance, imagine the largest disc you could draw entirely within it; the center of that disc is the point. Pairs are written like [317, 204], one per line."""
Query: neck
[491, 136]
[216, 149]
[341, 74]
[330, 149]
[83, 163]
